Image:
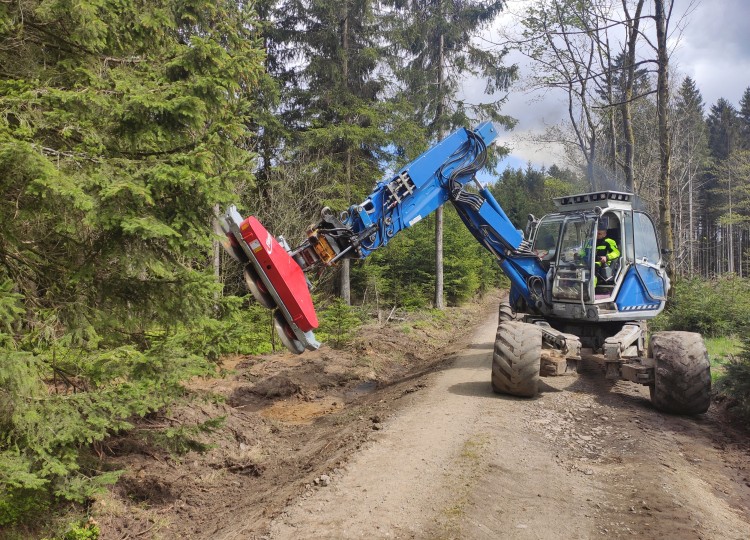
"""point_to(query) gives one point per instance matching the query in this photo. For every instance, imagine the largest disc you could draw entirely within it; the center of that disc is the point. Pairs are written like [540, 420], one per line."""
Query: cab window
[577, 236]
[646, 245]
[546, 237]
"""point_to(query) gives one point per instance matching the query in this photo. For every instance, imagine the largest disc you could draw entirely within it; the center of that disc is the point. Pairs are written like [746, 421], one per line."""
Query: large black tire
[516, 359]
[682, 374]
[505, 313]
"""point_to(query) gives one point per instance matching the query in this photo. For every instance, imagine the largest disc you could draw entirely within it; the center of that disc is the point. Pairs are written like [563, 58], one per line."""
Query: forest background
[125, 126]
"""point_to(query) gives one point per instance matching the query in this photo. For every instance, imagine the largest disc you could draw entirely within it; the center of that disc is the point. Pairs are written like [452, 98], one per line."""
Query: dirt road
[399, 435]
[586, 458]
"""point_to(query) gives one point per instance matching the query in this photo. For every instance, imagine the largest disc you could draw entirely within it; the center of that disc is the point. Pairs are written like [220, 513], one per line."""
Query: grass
[720, 349]
[468, 470]
[473, 448]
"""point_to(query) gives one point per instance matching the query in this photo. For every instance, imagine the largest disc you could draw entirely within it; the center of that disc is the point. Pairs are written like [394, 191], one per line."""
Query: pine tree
[744, 119]
[266, 117]
[530, 191]
[123, 127]
[334, 108]
[723, 129]
[690, 154]
[723, 141]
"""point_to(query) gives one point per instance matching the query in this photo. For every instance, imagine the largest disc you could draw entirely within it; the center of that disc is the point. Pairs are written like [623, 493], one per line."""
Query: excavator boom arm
[445, 172]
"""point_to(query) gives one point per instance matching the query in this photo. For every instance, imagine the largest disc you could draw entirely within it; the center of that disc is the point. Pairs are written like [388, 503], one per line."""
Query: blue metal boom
[441, 174]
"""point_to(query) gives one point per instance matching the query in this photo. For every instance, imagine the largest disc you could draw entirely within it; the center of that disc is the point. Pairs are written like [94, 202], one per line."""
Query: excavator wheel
[516, 359]
[257, 288]
[505, 313]
[682, 374]
[286, 335]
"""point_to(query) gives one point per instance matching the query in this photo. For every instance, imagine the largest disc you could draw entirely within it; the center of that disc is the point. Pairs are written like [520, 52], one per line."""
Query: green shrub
[58, 402]
[711, 307]
[17, 504]
[86, 530]
[181, 439]
[338, 324]
[735, 382]
[720, 351]
[239, 328]
[413, 296]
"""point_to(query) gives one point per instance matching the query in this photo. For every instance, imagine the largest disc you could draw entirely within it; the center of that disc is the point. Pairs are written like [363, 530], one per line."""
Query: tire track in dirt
[418, 477]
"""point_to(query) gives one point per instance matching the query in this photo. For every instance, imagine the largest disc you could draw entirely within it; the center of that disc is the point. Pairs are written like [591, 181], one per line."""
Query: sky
[713, 48]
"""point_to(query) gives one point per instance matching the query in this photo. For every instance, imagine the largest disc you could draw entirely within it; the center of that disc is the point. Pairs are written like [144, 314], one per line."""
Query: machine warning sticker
[414, 221]
[255, 246]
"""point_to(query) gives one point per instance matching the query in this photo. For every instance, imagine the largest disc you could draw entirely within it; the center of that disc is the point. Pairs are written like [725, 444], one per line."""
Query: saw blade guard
[277, 275]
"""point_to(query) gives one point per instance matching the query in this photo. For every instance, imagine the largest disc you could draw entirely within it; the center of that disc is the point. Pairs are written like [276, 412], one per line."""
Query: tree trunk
[626, 108]
[345, 284]
[217, 260]
[439, 278]
[662, 107]
[691, 231]
[345, 289]
[730, 228]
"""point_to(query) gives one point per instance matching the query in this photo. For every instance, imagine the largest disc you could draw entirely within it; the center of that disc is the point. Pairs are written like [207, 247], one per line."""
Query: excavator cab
[579, 272]
[631, 283]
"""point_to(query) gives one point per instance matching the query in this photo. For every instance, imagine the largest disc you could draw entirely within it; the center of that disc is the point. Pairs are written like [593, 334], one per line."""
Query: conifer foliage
[122, 125]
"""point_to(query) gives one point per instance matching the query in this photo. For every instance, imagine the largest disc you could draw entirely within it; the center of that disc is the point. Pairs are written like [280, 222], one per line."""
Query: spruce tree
[723, 141]
[334, 110]
[123, 124]
[723, 129]
[122, 128]
[744, 119]
[433, 52]
[690, 154]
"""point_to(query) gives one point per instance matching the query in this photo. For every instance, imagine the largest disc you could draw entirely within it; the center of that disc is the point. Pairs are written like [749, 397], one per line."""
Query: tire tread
[682, 376]
[516, 359]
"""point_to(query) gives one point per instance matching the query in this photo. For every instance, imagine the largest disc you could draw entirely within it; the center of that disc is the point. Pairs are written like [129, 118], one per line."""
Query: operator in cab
[606, 248]
[606, 253]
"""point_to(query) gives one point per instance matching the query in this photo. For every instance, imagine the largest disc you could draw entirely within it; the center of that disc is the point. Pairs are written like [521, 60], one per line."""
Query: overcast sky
[713, 48]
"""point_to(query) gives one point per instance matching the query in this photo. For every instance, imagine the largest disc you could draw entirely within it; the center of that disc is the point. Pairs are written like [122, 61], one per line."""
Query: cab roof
[589, 201]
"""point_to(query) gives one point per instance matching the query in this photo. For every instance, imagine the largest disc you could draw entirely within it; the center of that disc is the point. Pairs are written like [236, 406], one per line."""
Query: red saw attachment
[274, 278]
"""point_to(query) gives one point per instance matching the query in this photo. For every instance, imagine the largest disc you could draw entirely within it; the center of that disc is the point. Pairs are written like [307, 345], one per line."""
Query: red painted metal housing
[283, 272]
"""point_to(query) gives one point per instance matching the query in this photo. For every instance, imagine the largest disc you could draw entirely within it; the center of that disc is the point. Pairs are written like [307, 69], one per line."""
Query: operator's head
[601, 230]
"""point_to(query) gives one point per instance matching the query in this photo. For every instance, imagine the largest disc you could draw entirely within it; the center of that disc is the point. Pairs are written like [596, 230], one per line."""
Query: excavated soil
[287, 420]
[400, 436]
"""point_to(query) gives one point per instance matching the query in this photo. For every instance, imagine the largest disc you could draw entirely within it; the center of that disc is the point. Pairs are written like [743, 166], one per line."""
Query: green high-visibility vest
[607, 247]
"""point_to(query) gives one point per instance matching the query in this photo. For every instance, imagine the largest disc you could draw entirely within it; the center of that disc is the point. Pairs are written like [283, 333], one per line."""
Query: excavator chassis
[674, 365]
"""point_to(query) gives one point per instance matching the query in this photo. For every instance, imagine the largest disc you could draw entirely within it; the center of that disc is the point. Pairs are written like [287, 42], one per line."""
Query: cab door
[643, 251]
[575, 262]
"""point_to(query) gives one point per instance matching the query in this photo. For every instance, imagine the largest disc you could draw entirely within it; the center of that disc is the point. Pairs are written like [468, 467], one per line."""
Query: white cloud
[712, 48]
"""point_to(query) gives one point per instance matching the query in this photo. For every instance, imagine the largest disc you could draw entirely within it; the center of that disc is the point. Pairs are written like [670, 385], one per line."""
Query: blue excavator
[563, 302]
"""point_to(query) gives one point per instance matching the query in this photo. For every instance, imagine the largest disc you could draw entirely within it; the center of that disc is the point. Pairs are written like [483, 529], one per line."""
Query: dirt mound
[288, 421]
